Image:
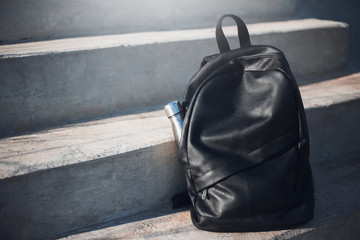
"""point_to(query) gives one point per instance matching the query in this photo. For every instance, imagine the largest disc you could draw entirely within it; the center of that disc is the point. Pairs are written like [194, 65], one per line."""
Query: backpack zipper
[205, 194]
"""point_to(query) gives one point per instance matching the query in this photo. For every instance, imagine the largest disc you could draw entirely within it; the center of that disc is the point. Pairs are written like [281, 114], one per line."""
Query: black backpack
[245, 143]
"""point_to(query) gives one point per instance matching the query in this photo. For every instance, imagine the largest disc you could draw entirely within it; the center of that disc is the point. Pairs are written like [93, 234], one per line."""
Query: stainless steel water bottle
[176, 116]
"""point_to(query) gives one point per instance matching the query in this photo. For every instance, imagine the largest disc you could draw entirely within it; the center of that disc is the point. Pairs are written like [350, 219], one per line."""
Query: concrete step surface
[22, 20]
[337, 214]
[58, 181]
[52, 82]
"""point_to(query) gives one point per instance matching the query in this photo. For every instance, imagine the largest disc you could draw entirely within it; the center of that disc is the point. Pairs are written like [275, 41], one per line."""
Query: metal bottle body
[175, 114]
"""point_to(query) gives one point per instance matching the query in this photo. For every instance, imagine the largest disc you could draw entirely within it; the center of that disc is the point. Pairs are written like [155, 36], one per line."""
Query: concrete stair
[22, 20]
[335, 214]
[57, 181]
[86, 149]
[53, 82]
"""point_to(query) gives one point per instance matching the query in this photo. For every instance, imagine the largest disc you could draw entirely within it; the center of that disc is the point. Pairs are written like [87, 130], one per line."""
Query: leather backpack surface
[245, 143]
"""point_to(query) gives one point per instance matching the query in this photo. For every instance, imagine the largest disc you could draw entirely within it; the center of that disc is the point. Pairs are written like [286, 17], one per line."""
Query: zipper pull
[204, 194]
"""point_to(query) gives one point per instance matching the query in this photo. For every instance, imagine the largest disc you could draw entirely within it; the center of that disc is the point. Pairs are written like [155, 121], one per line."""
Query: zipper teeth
[264, 55]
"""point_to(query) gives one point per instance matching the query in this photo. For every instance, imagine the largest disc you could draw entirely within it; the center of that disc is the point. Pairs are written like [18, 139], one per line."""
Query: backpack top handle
[243, 33]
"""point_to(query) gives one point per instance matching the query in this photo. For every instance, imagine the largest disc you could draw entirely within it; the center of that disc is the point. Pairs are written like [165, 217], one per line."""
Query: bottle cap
[172, 108]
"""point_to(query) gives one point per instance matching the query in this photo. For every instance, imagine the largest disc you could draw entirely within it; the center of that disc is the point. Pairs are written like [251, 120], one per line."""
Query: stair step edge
[75, 143]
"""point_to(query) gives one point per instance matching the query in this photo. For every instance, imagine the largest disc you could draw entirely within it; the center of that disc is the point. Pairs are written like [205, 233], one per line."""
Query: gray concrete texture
[337, 10]
[73, 177]
[46, 203]
[23, 20]
[337, 215]
[53, 82]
